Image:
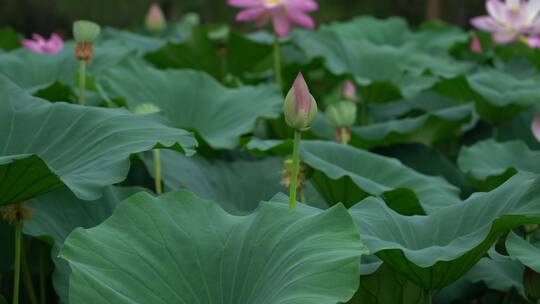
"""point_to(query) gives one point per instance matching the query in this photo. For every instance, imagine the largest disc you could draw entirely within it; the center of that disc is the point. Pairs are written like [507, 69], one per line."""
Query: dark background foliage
[45, 16]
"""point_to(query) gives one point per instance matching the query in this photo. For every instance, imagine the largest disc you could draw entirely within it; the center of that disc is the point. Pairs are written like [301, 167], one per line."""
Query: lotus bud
[476, 45]
[531, 284]
[349, 91]
[155, 19]
[536, 127]
[85, 33]
[146, 108]
[300, 106]
[342, 114]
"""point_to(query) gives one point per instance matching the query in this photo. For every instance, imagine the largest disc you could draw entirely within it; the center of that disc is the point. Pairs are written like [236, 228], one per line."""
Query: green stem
[364, 113]
[42, 290]
[17, 276]
[27, 278]
[343, 136]
[157, 171]
[428, 297]
[495, 132]
[82, 81]
[294, 170]
[277, 64]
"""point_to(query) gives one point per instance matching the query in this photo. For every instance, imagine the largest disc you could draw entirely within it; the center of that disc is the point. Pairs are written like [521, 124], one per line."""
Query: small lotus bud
[342, 114]
[349, 91]
[531, 284]
[536, 127]
[191, 19]
[155, 19]
[476, 45]
[300, 106]
[85, 31]
[146, 108]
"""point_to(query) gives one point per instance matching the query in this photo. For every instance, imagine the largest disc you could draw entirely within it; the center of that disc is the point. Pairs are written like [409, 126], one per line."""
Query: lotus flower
[509, 20]
[155, 19]
[40, 45]
[300, 106]
[536, 127]
[476, 45]
[283, 13]
[533, 42]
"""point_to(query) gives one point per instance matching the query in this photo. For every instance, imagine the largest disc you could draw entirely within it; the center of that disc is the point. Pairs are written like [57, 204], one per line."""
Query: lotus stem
[277, 64]
[28, 285]
[82, 81]
[344, 136]
[294, 170]
[157, 171]
[42, 290]
[17, 276]
[428, 297]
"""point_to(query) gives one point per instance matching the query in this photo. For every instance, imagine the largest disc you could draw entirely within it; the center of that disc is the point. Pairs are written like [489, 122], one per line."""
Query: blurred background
[46, 16]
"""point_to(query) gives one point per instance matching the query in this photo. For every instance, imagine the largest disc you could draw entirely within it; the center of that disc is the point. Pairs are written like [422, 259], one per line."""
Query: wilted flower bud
[342, 114]
[155, 19]
[300, 106]
[146, 108]
[85, 31]
[531, 284]
[349, 91]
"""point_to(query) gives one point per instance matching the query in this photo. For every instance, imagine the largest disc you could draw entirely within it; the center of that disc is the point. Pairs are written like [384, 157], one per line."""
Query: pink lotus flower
[283, 13]
[509, 20]
[155, 19]
[38, 44]
[476, 45]
[533, 41]
[535, 127]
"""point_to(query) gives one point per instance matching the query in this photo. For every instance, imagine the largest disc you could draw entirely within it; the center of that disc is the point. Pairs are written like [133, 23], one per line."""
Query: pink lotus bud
[476, 45]
[155, 19]
[300, 106]
[349, 91]
[536, 127]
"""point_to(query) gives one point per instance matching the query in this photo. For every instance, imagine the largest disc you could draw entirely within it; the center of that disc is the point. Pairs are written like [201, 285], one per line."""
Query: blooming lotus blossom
[509, 20]
[40, 45]
[533, 42]
[476, 45]
[283, 13]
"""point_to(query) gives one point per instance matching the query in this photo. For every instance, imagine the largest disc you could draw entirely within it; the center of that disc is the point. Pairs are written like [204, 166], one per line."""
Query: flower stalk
[82, 82]
[294, 170]
[17, 276]
[157, 171]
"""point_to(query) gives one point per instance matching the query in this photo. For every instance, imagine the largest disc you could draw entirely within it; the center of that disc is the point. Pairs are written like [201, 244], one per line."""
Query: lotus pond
[361, 161]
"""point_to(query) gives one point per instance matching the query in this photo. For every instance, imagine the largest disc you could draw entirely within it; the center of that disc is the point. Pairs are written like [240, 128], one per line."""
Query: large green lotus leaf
[181, 249]
[385, 286]
[497, 272]
[379, 51]
[345, 174]
[46, 145]
[425, 129]
[33, 72]
[435, 250]
[58, 213]
[502, 96]
[238, 186]
[490, 163]
[194, 100]
[424, 103]
[523, 251]
[421, 159]
[141, 43]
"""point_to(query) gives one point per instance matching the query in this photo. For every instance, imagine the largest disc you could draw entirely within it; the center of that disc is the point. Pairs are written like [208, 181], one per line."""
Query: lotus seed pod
[155, 19]
[146, 108]
[300, 106]
[342, 114]
[85, 31]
